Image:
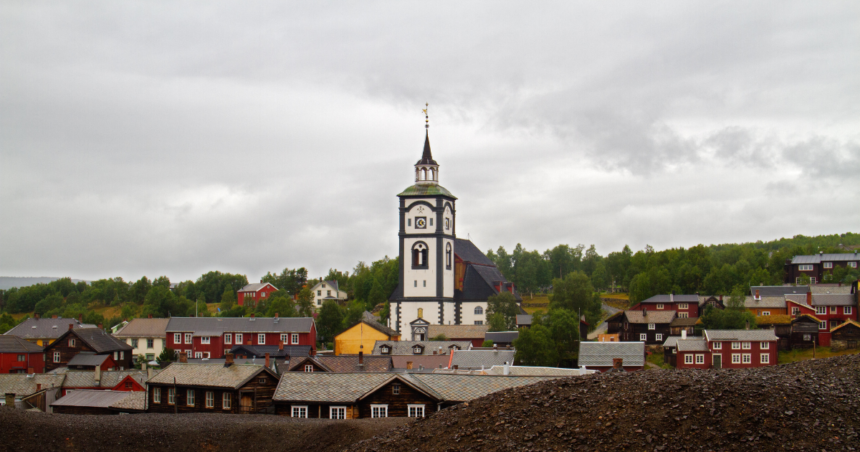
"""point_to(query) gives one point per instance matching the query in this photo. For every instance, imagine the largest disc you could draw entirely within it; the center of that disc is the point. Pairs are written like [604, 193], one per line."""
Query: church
[443, 280]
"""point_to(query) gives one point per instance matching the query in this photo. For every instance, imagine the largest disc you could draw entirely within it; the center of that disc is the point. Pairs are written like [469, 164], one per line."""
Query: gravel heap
[33, 431]
[811, 405]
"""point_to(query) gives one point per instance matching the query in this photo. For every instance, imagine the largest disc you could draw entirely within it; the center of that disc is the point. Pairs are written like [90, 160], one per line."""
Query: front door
[246, 404]
[718, 361]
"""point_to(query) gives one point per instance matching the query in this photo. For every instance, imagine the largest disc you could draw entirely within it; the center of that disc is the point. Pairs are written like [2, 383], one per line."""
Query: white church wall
[419, 282]
[420, 210]
[448, 221]
[409, 312]
[468, 316]
[447, 274]
[450, 312]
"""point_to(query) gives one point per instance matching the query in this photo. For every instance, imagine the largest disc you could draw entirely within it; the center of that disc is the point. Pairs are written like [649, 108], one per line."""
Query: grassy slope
[803, 355]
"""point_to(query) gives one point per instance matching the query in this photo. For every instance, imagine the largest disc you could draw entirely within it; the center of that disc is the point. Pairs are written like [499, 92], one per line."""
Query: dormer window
[417, 350]
[385, 350]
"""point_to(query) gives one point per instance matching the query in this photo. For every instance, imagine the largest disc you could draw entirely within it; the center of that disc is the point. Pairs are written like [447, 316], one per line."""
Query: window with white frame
[847, 310]
[188, 353]
[813, 281]
[205, 340]
[228, 338]
[805, 268]
[337, 412]
[718, 345]
[171, 396]
[822, 325]
[378, 411]
[284, 338]
[764, 345]
[156, 395]
[833, 309]
[852, 264]
[659, 305]
[261, 339]
[683, 315]
[747, 358]
[828, 265]
[239, 338]
[295, 339]
[736, 345]
[820, 310]
[736, 358]
[416, 410]
[177, 338]
[765, 358]
[198, 355]
[652, 326]
[795, 311]
[210, 399]
[309, 368]
[226, 401]
[700, 359]
[300, 411]
[72, 342]
[683, 306]
[56, 357]
[643, 337]
[479, 322]
[395, 389]
[746, 345]
[658, 337]
[688, 359]
[150, 343]
[187, 338]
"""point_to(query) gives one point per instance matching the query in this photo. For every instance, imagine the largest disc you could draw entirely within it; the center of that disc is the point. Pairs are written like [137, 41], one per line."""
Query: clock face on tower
[421, 223]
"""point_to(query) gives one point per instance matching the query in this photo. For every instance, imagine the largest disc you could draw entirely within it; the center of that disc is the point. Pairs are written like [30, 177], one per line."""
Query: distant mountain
[8, 282]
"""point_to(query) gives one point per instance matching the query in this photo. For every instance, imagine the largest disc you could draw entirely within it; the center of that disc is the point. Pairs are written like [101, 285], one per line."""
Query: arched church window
[448, 256]
[432, 174]
[419, 255]
[423, 173]
[479, 310]
[420, 313]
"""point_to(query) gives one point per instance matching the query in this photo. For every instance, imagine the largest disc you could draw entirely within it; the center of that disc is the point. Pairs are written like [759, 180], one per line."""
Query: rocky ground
[27, 431]
[810, 405]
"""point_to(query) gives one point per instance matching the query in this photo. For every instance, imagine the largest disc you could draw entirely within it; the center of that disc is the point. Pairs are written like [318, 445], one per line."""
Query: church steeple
[427, 170]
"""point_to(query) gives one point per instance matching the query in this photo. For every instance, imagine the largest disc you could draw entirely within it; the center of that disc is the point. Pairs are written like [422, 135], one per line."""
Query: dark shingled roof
[502, 336]
[778, 291]
[370, 320]
[273, 351]
[344, 363]
[88, 359]
[98, 340]
[468, 252]
[14, 344]
[674, 298]
[45, 328]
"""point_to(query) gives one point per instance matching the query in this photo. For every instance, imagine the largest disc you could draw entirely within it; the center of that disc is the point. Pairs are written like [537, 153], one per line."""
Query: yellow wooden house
[363, 336]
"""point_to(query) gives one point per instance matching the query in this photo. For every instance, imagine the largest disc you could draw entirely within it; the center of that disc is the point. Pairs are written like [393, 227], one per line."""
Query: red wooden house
[117, 380]
[213, 337]
[254, 293]
[95, 340]
[18, 356]
[831, 310]
[728, 349]
[685, 305]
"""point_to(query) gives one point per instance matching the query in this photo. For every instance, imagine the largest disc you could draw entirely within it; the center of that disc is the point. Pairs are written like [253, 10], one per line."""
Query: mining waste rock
[811, 405]
[28, 431]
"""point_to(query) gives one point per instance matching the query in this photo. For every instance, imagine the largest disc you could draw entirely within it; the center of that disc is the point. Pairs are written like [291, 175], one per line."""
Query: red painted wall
[9, 361]
[680, 361]
[217, 345]
[135, 386]
[254, 297]
[755, 351]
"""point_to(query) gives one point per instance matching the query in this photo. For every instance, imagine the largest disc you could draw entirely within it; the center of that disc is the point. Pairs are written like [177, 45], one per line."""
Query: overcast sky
[174, 138]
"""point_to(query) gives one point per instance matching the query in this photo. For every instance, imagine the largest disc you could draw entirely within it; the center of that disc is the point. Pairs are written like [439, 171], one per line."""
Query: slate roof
[273, 350]
[327, 387]
[524, 319]
[97, 398]
[420, 362]
[458, 331]
[680, 322]
[87, 359]
[216, 326]
[502, 336]
[692, 345]
[98, 340]
[600, 354]
[468, 252]
[254, 287]
[778, 291]
[147, 328]
[344, 363]
[109, 379]
[827, 288]
[765, 302]
[635, 316]
[523, 371]
[45, 328]
[677, 299]
[463, 388]
[830, 257]
[739, 335]
[478, 283]
[405, 347]
[14, 344]
[210, 375]
[476, 359]
[370, 320]
[24, 384]
[671, 341]
[833, 300]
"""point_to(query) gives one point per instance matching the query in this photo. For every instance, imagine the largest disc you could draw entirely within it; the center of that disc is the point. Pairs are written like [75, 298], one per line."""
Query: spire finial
[426, 117]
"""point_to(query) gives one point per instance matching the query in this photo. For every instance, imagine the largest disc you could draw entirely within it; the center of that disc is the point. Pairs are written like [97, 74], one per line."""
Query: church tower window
[479, 310]
[448, 256]
[419, 255]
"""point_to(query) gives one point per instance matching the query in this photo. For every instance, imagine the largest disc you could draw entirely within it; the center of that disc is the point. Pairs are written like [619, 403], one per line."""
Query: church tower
[427, 236]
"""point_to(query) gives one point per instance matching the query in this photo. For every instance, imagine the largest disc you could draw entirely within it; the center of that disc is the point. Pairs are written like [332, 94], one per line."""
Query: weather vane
[426, 117]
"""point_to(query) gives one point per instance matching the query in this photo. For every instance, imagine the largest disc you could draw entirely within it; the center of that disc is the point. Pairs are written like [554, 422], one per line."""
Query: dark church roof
[427, 190]
[468, 252]
[427, 157]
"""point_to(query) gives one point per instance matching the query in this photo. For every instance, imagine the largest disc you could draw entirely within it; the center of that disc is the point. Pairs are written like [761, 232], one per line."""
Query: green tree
[535, 347]
[162, 281]
[599, 278]
[305, 303]
[502, 306]
[734, 317]
[439, 337]
[167, 356]
[330, 320]
[282, 304]
[228, 299]
[576, 294]
[564, 331]
[49, 303]
[6, 323]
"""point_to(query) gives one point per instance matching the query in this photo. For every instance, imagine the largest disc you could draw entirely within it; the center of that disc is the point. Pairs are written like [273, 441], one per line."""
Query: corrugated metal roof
[216, 326]
[740, 335]
[601, 354]
[97, 398]
[830, 257]
[524, 319]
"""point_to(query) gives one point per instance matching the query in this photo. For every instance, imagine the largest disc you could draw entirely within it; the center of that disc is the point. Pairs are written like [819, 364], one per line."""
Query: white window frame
[688, 359]
[652, 326]
[805, 267]
[718, 345]
[736, 345]
[659, 305]
[309, 368]
[299, 411]
[736, 358]
[226, 401]
[228, 338]
[795, 310]
[205, 340]
[852, 264]
[198, 355]
[813, 280]
[378, 410]
[72, 342]
[190, 397]
[820, 310]
[210, 399]
[746, 345]
[847, 310]
[417, 410]
[764, 358]
[764, 345]
[828, 264]
[337, 412]
[56, 357]
[683, 315]
[295, 339]
[765, 313]
[156, 395]
[683, 306]
[658, 337]
[284, 338]
[261, 339]
[822, 325]
[171, 396]
[746, 358]
[700, 358]
[188, 338]
[238, 339]
[188, 353]
[177, 338]
[643, 337]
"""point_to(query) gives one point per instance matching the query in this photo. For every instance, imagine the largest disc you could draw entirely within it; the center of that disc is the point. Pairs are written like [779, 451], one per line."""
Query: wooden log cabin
[212, 388]
[845, 336]
[94, 340]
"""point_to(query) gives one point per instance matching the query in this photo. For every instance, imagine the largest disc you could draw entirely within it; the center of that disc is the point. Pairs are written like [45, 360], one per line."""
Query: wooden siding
[398, 404]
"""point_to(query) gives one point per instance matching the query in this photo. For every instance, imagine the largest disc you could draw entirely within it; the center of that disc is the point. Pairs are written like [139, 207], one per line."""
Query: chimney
[100, 326]
[148, 373]
[150, 316]
[252, 315]
[408, 365]
[757, 295]
[644, 312]
[684, 334]
[672, 297]
[98, 375]
[228, 360]
[280, 346]
[54, 316]
[721, 299]
[617, 363]
[80, 318]
[276, 315]
[360, 358]
[71, 325]
[507, 369]
[38, 387]
[183, 357]
[268, 363]
[37, 316]
[809, 297]
[10, 399]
